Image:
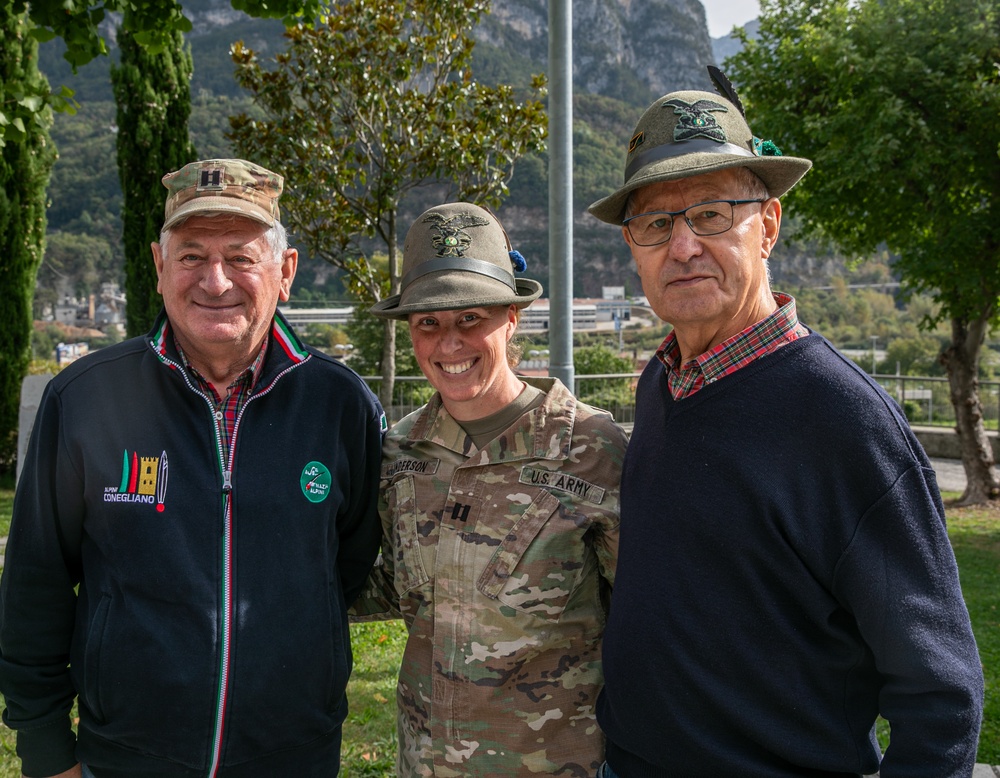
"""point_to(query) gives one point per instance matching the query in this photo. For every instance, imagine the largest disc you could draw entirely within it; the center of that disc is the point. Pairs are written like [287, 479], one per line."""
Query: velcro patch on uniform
[553, 479]
[418, 466]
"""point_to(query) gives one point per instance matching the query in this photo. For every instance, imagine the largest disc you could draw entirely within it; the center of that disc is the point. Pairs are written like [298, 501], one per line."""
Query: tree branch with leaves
[373, 103]
[896, 102]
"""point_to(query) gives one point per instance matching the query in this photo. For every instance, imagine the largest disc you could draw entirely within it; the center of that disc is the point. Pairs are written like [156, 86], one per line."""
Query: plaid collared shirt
[769, 334]
[227, 408]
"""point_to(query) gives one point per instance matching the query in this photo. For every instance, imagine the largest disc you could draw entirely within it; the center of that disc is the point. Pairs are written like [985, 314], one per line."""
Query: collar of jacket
[545, 432]
[285, 350]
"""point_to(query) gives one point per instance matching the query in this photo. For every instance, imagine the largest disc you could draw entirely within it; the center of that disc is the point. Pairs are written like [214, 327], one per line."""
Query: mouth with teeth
[457, 368]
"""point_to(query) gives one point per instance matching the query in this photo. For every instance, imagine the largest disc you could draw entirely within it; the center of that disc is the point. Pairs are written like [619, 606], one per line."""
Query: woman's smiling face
[463, 354]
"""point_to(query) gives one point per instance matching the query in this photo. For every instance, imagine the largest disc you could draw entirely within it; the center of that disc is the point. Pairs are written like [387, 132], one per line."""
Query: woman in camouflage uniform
[499, 508]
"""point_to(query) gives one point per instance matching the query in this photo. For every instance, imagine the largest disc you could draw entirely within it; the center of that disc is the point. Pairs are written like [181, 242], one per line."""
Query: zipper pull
[227, 481]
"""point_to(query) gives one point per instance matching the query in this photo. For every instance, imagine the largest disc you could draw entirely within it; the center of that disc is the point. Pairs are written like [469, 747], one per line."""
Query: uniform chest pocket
[405, 522]
[537, 565]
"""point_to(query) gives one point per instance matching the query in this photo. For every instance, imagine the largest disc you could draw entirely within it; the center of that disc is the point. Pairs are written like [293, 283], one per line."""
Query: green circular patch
[315, 481]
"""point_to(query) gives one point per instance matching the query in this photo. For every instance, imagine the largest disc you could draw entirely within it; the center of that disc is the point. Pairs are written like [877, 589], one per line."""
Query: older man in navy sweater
[784, 574]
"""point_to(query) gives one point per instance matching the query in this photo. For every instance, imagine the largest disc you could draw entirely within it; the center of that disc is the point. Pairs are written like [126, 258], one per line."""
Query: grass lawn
[975, 536]
[370, 730]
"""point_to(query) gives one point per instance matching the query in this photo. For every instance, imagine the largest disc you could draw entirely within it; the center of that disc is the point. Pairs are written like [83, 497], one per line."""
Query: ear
[158, 263]
[631, 248]
[626, 236]
[289, 264]
[771, 217]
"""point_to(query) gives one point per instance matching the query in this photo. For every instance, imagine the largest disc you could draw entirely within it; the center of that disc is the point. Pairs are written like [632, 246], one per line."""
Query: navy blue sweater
[784, 576]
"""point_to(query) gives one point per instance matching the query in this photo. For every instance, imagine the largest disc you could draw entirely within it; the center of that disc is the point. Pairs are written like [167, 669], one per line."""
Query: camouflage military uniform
[502, 560]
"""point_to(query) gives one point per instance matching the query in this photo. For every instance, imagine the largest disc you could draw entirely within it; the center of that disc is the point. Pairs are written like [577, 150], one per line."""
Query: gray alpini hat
[457, 255]
[686, 134]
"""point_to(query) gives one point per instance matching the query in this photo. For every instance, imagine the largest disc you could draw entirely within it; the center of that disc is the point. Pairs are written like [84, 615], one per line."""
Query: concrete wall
[942, 442]
[31, 394]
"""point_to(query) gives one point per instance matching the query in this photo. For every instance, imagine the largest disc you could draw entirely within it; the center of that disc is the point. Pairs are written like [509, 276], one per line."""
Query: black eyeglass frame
[674, 214]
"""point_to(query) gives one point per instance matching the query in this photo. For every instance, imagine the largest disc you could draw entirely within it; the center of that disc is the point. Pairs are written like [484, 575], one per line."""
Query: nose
[215, 279]
[683, 244]
[451, 341]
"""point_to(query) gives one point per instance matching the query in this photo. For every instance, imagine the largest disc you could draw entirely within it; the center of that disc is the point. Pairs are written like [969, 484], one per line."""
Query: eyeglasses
[656, 227]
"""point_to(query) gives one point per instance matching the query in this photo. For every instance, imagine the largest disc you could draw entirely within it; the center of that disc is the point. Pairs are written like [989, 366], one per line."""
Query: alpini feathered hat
[686, 134]
[457, 255]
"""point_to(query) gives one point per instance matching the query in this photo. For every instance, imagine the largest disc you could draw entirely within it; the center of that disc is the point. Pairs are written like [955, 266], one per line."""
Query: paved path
[950, 476]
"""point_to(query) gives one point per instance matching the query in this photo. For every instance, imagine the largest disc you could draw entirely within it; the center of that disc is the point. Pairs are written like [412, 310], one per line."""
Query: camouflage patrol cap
[232, 186]
[457, 255]
[690, 133]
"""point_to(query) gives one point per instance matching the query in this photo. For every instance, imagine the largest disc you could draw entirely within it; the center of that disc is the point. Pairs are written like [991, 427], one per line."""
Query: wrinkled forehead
[681, 192]
[216, 230]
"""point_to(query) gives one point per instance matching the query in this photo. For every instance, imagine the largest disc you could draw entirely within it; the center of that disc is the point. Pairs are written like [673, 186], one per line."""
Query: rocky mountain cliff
[625, 55]
[621, 49]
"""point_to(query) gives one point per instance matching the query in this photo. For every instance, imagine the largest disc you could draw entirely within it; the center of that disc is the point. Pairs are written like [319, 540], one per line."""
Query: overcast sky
[723, 15]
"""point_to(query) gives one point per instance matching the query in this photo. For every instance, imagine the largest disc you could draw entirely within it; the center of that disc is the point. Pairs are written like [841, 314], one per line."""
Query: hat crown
[459, 231]
[692, 133]
[223, 185]
[457, 255]
[687, 121]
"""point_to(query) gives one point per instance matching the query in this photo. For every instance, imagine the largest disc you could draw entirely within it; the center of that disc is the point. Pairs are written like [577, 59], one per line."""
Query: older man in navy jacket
[196, 512]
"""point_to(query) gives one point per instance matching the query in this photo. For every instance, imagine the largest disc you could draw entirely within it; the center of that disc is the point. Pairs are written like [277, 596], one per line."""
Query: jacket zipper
[222, 691]
[222, 694]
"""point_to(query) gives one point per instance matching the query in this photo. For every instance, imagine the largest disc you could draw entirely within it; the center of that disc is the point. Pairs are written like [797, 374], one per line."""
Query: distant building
[535, 318]
[70, 352]
[103, 311]
[299, 316]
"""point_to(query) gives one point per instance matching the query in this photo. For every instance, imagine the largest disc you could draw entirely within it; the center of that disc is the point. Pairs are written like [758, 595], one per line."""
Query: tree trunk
[961, 360]
[389, 337]
[388, 367]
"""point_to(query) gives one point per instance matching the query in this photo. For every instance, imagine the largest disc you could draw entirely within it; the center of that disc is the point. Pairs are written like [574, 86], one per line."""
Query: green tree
[153, 22]
[24, 174]
[365, 332]
[362, 110]
[153, 94]
[75, 265]
[609, 393]
[913, 356]
[896, 102]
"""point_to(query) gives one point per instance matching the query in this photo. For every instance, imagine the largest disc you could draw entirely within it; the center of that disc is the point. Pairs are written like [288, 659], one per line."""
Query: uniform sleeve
[379, 601]
[900, 580]
[37, 599]
[358, 524]
[609, 450]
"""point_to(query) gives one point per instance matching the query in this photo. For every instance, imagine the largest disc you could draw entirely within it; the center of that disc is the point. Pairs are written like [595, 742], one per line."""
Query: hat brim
[450, 291]
[779, 174]
[228, 205]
